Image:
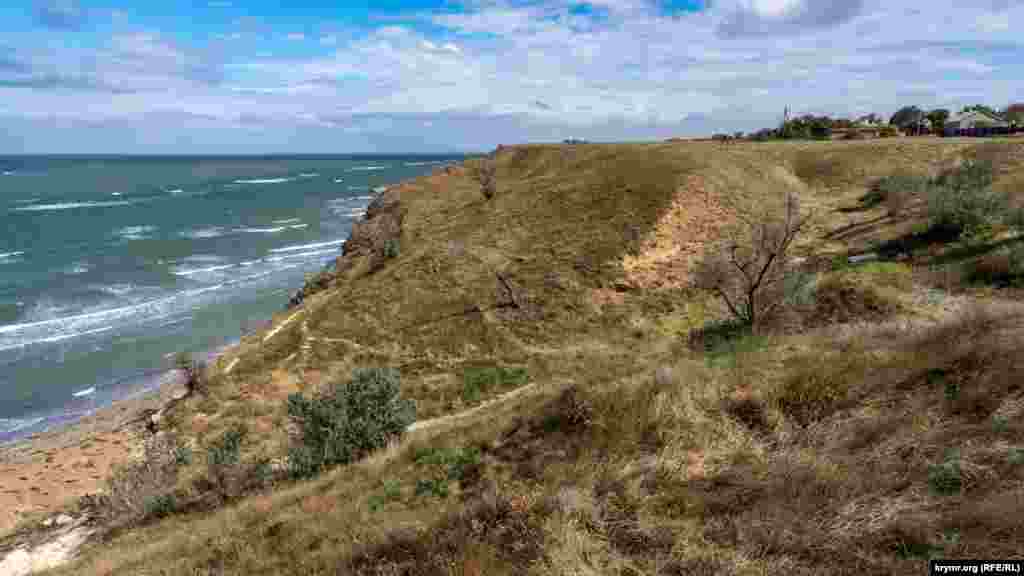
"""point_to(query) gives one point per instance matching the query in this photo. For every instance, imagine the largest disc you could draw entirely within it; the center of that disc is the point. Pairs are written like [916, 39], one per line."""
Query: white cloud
[733, 67]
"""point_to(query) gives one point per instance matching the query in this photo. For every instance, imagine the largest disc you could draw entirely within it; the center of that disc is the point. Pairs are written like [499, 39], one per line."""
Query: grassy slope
[632, 455]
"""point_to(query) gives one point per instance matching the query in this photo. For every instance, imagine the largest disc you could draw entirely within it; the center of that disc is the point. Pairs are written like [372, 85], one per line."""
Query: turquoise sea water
[110, 264]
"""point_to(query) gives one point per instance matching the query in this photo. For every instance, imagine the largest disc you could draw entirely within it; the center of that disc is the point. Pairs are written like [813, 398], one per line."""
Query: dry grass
[788, 453]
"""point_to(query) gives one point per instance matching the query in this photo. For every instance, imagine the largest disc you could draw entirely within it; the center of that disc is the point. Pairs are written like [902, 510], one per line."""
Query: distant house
[975, 123]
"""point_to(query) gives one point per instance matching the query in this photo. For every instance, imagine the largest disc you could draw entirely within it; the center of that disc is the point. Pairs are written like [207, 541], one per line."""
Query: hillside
[829, 441]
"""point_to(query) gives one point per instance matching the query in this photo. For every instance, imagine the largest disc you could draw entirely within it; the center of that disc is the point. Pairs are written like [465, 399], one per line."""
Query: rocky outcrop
[382, 222]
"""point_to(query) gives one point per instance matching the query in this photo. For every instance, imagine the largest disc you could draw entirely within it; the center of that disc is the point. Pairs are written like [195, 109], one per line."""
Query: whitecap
[264, 181]
[366, 168]
[115, 193]
[302, 255]
[8, 172]
[308, 175]
[338, 180]
[8, 425]
[190, 272]
[264, 230]
[176, 191]
[77, 268]
[202, 233]
[52, 339]
[424, 163]
[72, 205]
[298, 226]
[118, 289]
[360, 198]
[6, 255]
[287, 221]
[87, 392]
[306, 246]
[135, 232]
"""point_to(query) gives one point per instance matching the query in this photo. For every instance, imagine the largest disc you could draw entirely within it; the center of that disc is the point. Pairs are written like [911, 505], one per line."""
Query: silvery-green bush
[348, 420]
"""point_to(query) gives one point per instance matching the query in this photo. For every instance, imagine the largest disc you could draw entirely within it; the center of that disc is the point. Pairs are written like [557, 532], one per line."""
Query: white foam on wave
[119, 289]
[354, 213]
[52, 339]
[87, 392]
[287, 221]
[200, 233]
[27, 200]
[424, 163]
[115, 193]
[190, 272]
[8, 172]
[301, 247]
[380, 189]
[176, 191]
[298, 226]
[338, 180]
[8, 425]
[73, 205]
[6, 255]
[309, 254]
[358, 187]
[264, 181]
[273, 230]
[135, 232]
[107, 314]
[308, 175]
[366, 168]
[77, 268]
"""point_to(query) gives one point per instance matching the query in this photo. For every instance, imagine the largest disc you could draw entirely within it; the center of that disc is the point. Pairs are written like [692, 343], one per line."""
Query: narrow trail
[449, 418]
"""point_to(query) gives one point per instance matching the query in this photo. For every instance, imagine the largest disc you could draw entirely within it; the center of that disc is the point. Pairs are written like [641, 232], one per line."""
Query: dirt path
[449, 418]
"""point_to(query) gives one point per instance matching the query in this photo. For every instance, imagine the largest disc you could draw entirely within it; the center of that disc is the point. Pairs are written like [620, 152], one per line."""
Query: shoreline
[44, 471]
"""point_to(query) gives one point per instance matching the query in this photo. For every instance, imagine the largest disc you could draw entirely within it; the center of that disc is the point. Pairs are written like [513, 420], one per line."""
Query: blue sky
[258, 76]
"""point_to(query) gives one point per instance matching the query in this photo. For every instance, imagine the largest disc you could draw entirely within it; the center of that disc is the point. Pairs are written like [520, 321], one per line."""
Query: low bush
[222, 459]
[139, 489]
[348, 420]
[1002, 268]
[391, 248]
[841, 299]
[194, 372]
[962, 202]
[441, 466]
[946, 478]
[479, 381]
[895, 191]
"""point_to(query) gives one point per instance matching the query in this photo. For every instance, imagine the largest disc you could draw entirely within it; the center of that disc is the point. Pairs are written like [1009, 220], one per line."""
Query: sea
[111, 265]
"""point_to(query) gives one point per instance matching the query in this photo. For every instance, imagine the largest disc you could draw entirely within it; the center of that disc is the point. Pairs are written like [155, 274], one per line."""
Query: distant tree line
[908, 119]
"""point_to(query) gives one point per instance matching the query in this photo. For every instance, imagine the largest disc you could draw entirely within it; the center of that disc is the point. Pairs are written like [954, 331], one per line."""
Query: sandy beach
[46, 471]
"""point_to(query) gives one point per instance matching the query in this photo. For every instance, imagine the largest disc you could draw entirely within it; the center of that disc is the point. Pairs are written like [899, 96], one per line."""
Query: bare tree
[485, 175]
[748, 272]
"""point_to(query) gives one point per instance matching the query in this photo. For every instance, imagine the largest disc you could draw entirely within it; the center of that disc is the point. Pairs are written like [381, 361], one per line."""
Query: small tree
[193, 371]
[748, 272]
[485, 175]
[938, 118]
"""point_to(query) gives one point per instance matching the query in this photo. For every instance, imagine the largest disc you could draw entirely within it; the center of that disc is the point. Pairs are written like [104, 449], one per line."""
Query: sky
[350, 76]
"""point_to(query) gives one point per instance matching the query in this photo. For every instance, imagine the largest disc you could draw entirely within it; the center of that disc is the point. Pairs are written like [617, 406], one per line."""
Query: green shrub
[1016, 456]
[391, 248]
[222, 460]
[160, 506]
[716, 336]
[479, 381]
[946, 478]
[895, 191]
[444, 465]
[392, 491]
[183, 455]
[348, 420]
[961, 200]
